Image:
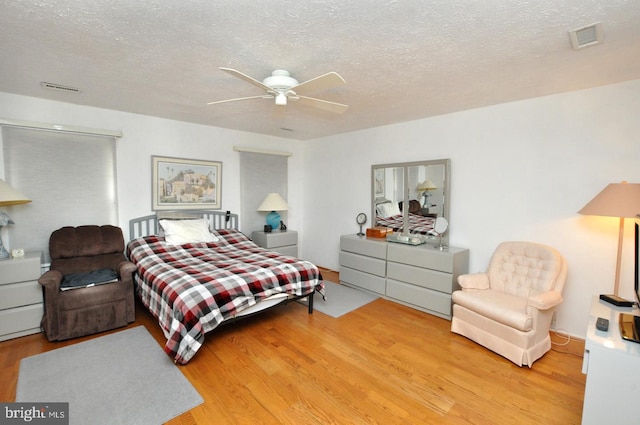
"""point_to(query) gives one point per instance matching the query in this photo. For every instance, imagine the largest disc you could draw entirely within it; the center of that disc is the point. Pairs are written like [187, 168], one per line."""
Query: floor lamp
[620, 200]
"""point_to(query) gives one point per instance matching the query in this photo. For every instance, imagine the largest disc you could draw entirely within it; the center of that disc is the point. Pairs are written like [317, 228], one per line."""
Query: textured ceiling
[402, 60]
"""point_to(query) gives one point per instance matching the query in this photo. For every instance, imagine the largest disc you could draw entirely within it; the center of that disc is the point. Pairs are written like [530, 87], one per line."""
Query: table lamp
[424, 188]
[273, 203]
[8, 196]
[620, 200]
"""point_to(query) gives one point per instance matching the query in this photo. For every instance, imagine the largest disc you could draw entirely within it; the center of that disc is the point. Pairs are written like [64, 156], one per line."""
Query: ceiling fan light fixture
[281, 99]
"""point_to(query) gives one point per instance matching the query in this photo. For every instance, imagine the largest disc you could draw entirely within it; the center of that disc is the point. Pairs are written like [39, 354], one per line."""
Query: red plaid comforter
[417, 223]
[192, 288]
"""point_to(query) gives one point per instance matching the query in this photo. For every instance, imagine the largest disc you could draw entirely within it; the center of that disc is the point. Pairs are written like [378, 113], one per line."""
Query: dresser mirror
[422, 185]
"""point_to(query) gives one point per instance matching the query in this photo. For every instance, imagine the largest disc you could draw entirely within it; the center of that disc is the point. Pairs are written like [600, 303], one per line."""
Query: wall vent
[59, 87]
[586, 36]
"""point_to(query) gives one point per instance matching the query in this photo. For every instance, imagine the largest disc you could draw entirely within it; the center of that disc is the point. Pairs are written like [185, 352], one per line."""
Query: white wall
[144, 136]
[519, 171]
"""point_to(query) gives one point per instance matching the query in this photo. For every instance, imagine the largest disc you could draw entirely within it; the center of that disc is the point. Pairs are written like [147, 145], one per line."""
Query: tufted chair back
[85, 248]
[525, 268]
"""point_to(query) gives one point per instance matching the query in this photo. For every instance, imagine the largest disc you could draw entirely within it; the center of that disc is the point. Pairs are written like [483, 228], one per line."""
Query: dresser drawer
[19, 294]
[275, 239]
[424, 256]
[364, 246]
[291, 250]
[360, 262]
[425, 278]
[20, 269]
[351, 277]
[21, 319]
[423, 298]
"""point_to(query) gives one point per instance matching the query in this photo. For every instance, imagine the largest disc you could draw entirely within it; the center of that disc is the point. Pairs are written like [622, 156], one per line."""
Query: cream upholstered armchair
[509, 308]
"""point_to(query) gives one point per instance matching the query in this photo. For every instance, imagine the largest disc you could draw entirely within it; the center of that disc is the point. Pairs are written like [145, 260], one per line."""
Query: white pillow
[180, 232]
[394, 210]
[388, 210]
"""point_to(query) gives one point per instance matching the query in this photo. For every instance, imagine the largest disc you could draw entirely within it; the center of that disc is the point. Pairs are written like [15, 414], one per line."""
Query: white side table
[285, 243]
[612, 366]
[21, 304]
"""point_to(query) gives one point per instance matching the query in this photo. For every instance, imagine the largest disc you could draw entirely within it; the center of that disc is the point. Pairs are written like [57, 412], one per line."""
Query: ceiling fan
[281, 86]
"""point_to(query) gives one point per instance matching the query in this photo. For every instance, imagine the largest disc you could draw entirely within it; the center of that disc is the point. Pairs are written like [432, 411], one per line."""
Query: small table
[283, 242]
[612, 366]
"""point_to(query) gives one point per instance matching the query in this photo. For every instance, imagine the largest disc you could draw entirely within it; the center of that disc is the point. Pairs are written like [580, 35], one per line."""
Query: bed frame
[148, 225]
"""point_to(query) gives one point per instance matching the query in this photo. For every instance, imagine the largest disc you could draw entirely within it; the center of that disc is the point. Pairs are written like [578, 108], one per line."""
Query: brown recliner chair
[76, 251]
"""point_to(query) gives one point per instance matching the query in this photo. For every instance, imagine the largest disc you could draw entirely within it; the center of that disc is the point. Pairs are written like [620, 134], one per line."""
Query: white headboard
[148, 225]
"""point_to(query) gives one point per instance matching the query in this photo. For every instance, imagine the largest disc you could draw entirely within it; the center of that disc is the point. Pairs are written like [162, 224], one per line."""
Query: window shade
[260, 174]
[70, 179]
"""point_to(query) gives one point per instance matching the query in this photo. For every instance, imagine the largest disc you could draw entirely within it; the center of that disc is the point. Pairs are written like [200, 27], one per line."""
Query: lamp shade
[10, 196]
[426, 185]
[615, 200]
[273, 202]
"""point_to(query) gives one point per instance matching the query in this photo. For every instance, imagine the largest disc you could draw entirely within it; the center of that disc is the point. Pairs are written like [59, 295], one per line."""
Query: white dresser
[283, 242]
[21, 304]
[422, 277]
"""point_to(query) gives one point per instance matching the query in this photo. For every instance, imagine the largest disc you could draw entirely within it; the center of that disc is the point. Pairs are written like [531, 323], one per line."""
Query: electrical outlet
[553, 321]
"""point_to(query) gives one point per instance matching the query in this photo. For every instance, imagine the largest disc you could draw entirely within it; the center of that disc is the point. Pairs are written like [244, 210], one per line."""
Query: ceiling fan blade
[323, 82]
[262, 96]
[322, 104]
[246, 78]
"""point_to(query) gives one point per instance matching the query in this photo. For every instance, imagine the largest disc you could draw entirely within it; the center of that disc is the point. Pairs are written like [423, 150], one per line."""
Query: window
[69, 177]
[260, 174]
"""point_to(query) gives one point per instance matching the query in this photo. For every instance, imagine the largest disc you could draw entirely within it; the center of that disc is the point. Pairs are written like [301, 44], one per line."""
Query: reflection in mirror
[388, 184]
[422, 185]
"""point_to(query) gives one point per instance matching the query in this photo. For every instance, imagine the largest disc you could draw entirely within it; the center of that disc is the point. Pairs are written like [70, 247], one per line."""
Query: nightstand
[283, 242]
[21, 305]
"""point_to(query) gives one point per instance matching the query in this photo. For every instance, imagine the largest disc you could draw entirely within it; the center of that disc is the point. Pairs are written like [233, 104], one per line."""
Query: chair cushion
[504, 308]
[94, 277]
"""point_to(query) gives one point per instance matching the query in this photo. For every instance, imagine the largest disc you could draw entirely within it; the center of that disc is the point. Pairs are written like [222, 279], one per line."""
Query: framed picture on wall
[184, 184]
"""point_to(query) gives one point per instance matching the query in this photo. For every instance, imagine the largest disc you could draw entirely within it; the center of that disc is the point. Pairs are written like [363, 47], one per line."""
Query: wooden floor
[383, 363]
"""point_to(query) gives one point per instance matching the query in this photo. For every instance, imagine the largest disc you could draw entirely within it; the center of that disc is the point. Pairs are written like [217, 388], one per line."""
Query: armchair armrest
[545, 300]
[125, 268]
[51, 280]
[474, 281]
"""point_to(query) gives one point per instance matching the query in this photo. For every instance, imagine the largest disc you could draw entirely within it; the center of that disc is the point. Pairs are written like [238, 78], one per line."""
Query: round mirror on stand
[441, 225]
[361, 219]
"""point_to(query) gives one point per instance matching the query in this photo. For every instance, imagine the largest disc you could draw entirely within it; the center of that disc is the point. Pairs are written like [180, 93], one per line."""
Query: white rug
[120, 378]
[341, 299]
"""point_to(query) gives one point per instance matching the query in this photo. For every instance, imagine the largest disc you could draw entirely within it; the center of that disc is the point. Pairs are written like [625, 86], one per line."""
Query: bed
[389, 214]
[417, 223]
[193, 279]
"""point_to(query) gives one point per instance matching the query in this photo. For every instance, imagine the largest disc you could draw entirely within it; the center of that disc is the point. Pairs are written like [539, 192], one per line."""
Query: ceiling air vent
[586, 36]
[59, 87]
